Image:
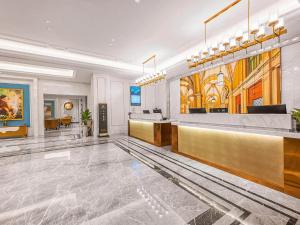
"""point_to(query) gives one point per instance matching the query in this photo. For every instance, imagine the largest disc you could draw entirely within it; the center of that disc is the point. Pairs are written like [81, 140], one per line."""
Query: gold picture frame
[68, 106]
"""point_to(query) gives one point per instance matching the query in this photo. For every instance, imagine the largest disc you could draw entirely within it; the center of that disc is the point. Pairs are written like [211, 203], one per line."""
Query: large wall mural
[14, 104]
[251, 81]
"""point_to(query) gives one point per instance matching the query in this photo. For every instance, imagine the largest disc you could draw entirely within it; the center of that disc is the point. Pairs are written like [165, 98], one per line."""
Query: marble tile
[66, 179]
[265, 205]
[97, 184]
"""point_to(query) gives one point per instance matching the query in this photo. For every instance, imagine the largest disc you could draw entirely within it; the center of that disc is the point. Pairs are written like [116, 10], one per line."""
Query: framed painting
[12, 103]
[49, 109]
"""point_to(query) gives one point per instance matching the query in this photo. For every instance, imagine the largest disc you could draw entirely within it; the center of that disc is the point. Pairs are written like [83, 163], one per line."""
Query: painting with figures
[252, 81]
[11, 103]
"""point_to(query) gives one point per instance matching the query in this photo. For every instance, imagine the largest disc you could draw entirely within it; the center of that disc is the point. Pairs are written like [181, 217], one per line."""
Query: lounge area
[62, 111]
[52, 123]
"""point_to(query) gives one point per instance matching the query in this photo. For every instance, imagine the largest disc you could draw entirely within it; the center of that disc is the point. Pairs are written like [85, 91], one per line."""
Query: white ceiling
[118, 29]
[163, 27]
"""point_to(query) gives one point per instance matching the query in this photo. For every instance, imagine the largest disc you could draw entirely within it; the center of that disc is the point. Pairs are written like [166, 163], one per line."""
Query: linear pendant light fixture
[152, 78]
[242, 40]
[38, 70]
[9, 45]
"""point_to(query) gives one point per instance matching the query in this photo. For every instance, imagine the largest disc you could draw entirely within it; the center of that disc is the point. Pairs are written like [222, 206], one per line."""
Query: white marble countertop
[253, 130]
[149, 116]
[152, 121]
[274, 121]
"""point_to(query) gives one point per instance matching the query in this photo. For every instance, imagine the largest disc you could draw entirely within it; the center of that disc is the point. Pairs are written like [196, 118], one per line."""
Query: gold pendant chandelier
[269, 30]
[150, 78]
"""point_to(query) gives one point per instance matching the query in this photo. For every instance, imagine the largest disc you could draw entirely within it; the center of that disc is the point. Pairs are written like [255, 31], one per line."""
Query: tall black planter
[298, 126]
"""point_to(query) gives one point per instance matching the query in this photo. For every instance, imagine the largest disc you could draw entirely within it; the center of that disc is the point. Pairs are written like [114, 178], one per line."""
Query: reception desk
[269, 156]
[152, 131]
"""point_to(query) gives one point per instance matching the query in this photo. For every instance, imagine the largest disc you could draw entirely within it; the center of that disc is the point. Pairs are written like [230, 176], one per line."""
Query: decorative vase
[89, 127]
[84, 131]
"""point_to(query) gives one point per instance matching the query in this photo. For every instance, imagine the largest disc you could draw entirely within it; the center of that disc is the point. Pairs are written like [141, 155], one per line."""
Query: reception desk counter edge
[270, 158]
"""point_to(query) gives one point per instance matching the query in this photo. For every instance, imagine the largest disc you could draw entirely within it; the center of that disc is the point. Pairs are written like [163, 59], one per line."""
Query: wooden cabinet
[174, 138]
[156, 133]
[162, 134]
[52, 124]
[13, 132]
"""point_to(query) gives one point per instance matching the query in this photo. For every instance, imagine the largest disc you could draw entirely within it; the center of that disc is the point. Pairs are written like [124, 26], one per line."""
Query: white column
[34, 107]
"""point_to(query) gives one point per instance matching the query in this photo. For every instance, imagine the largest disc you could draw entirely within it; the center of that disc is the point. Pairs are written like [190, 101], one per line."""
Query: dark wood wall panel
[162, 134]
[157, 134]
[174, 138]
[292, 166]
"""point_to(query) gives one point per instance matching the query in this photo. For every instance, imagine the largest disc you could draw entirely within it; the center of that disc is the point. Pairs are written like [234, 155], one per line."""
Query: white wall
[174, 98]
[114, 92]
[290, 57]
[153, 96]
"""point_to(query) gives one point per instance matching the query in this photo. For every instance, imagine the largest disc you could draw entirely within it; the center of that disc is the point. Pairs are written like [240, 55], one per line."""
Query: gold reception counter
[265, 157]
[154, 132]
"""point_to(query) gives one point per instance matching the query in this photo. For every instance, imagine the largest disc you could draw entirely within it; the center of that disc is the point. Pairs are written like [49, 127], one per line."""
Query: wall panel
[117, 103]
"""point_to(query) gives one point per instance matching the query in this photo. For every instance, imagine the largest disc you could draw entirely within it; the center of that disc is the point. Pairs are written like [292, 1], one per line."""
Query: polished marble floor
[66, 179]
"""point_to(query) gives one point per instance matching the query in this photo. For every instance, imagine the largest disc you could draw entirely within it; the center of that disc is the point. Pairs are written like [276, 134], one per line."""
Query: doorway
[63, 112]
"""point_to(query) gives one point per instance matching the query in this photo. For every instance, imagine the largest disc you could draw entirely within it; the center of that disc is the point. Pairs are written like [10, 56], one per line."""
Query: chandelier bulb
[273, 20]
[262, 31]
[232, 43]
[245, 38]
[280, 24]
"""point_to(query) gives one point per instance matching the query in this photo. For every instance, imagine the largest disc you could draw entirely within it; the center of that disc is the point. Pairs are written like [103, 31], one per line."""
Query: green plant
[296, 115]
[86, 116]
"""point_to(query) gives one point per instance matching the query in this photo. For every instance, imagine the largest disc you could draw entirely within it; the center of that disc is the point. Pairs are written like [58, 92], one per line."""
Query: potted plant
[296, 116]
[86, 119]
[3, 119]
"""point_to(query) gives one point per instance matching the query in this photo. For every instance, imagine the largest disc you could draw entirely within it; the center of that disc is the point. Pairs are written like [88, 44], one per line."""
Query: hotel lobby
[138, 112]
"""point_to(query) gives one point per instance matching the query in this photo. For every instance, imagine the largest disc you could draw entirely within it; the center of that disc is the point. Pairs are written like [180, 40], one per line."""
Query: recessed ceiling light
[66, 55]
[33, 69]
[48, 21]
[137, 1]
[113, 40]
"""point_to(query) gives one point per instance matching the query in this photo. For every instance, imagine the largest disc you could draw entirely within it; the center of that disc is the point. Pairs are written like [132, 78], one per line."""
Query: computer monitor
[267, 109]
[146, 111]
[218, 110]
[197, 110]
[135, 96]
[156, 110]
